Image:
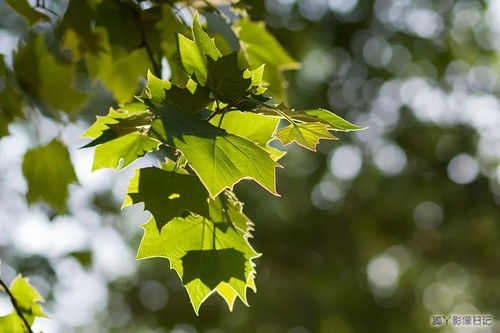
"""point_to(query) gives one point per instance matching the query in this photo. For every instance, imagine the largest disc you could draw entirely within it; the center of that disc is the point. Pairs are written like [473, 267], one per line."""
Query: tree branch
[16, 307]
[137, 13]
[156, 66]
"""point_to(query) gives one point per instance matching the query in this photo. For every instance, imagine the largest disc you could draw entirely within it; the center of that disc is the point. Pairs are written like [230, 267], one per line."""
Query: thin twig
[221, 118]
[14, 303]
[177, 162]
[156, 66]
[225, 109]
[273, 108]
[216, 112]
[144, 43]
[50, 11]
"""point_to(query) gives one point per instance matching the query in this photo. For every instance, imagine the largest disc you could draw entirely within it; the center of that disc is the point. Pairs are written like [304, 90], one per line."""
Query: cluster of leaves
[220, 125]
[26, 301]
[215, 122]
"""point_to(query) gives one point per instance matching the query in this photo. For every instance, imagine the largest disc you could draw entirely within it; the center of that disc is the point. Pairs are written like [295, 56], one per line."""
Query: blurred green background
[375, 233]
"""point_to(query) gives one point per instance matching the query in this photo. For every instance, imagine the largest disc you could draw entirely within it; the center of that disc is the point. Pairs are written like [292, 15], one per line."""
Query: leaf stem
[156, 66]
[284, 115]
[221, 118]
[216, 112]
[275, 109]
[177, 162]
[16, 306]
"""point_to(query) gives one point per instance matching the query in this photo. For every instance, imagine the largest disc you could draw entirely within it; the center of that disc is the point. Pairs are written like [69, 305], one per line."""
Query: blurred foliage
[376, 235]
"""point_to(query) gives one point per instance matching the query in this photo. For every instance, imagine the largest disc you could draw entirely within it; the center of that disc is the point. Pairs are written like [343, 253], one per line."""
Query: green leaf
[116, 127]
[121, 134]
[119, 75]
[11, 107]
[167, 194]
[128, 148]
[207, 256]
[193, 53]
[12, 323]
[260, 47]
[205, 43]
[228, 293]
[226, 79]
[121, 20]
[305, 134]
[27, 297]
[113, 117]
[192, 59]
[28, 300]
[83, 257]
[258, 128]
[155, 89]
[220, 159]
[79, 35]
[41, 76]
[335, 122]
[227, 208]
[3, 67]
[192, 98]
[255, 127]
[56, 83]
[256, 77]
[23, 8]
[186, 100]
[171, 191]
[48, 171]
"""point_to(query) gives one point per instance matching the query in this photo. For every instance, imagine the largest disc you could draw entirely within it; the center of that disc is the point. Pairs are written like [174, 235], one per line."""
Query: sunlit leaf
[334, 121]
[220, 159]
[205, 43]
[103, 123]
[258, 128]
[227, 208]
[117, 127]
[128, 148]
[305, 134]
[255, 127]
[155, 88]
[204, 254]
[167, 194]
[193, 53]
[27, 297]
[193, 60]
[28, 301]
[256, 76]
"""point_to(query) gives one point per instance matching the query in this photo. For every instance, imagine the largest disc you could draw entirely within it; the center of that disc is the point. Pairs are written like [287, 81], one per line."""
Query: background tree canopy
[377, 232]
